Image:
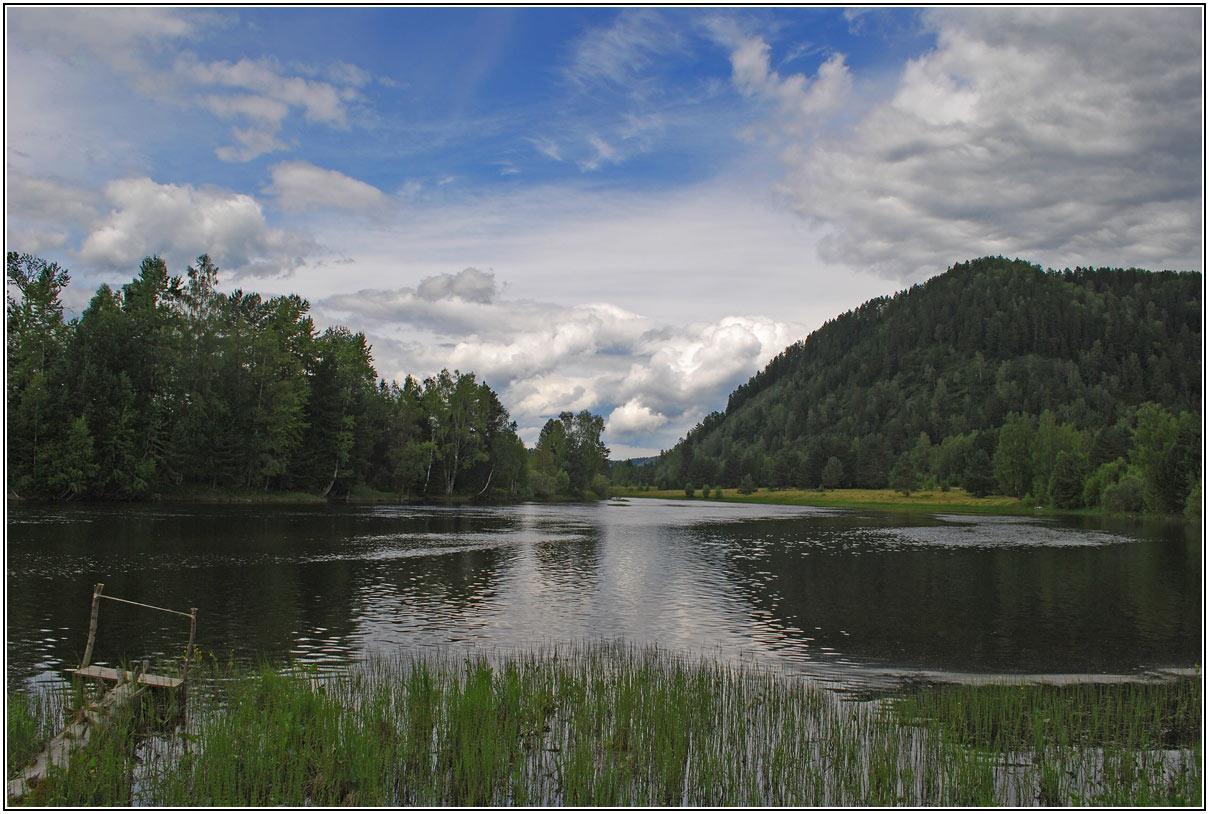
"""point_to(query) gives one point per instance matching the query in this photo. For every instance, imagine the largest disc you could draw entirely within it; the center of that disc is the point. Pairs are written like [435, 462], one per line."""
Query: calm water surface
[850, 597]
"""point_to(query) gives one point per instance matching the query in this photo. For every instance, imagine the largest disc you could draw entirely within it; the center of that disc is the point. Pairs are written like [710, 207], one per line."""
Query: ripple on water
[996, 532]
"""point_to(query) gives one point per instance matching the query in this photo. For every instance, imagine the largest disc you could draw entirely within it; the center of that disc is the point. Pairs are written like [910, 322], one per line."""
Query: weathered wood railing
[97, 596]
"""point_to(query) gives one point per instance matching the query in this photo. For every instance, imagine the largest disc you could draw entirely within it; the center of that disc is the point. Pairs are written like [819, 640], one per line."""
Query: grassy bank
[608, 725]
[954, 500]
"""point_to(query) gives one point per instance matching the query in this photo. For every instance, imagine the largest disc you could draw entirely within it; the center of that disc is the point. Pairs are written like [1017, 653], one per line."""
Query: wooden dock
[94, 716]
[89, 720]
[123, 676]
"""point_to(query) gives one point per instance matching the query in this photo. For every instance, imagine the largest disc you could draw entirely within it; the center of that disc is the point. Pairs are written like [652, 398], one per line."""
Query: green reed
[29, 723]
[611, 725]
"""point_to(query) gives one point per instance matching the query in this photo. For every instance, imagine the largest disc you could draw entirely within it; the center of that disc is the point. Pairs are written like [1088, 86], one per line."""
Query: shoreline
[955, 501]
[220, 497]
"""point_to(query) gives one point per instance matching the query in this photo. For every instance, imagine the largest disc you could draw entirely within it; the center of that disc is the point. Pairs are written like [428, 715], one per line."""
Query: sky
[624, 210]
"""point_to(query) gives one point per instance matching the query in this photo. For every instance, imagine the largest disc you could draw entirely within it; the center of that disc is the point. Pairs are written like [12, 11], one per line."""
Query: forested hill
[907, 389]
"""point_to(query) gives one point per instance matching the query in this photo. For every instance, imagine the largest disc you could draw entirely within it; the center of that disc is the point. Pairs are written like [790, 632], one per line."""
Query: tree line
[167, 384]
[1075, 388]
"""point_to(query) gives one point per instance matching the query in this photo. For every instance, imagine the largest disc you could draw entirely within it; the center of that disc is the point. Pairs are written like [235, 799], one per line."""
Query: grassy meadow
[611, 725]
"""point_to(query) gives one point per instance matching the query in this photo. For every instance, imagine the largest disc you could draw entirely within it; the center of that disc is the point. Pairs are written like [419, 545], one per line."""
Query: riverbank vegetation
[610, 725]
[169, 387]
[932, 500]
[1072, 389]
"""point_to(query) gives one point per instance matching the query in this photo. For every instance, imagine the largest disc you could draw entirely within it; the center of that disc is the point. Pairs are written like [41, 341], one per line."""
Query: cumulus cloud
[700, 364]
[644, 375]
[179, 222]
[300, 185]
[544, 397]
[1066, 136]
[633, 418]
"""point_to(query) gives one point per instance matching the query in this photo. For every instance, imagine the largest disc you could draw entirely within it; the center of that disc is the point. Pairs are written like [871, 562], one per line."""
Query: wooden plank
[75, 736]
[111, 674]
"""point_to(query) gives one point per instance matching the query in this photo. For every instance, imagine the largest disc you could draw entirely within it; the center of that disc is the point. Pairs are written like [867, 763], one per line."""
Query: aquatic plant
[607, 724]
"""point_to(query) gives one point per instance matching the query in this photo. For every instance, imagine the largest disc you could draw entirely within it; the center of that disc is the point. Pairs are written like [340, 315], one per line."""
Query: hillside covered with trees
[166, 384]
[1075, 388]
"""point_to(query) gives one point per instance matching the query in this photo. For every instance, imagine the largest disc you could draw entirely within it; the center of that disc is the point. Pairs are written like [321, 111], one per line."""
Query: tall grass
[1097, 744]
[611, 725]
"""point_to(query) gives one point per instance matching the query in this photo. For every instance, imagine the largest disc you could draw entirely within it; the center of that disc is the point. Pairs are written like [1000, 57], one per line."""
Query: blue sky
[626, 210]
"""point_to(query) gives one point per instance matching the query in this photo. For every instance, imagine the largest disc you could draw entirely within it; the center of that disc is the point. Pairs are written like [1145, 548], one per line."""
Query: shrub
[541, 484]
[1126, 496]
[747, 486]
[1107, 474]
[688, 490]
[1192, 508]
[562, 482]
[979, 476]
[601, 486]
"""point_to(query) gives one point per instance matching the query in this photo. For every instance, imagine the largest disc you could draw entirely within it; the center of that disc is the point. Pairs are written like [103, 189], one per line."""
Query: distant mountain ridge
[957, 357]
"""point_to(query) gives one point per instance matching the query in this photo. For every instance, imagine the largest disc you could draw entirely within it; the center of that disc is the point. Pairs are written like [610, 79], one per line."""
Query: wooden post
[92, 624]
[189, 647]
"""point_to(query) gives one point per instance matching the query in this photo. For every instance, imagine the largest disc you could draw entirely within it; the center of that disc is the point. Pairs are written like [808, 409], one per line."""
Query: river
[852, 598]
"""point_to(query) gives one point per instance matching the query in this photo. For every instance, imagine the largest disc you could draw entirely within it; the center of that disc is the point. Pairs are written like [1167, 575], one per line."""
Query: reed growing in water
[612, 725]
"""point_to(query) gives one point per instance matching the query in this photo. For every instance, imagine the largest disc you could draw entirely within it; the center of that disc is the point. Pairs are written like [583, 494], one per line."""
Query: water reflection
[840, 594]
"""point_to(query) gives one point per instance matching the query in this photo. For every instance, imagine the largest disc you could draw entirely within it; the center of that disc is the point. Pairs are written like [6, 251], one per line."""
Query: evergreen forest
[1074, 388]
[167, 386]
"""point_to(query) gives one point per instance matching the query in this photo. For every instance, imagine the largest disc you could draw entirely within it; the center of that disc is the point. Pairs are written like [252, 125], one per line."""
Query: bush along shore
[611, 725]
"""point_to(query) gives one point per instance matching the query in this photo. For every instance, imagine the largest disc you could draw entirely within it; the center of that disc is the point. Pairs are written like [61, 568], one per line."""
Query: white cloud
[1065, 136]
[620, 53]
[123, 39]
[700, 364]
[593, 299]
[469, 284]
[300, 186]
[49, 201]
[800, 98]
[273, 94]
[561, 338]
[345, 73]
[146, 49]
[253, 143]
[321, 101]
[546, 396]
[179, 222]
[41, 211]
[253, 106]
[34, 239]
[545, 358]
[633, 418]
